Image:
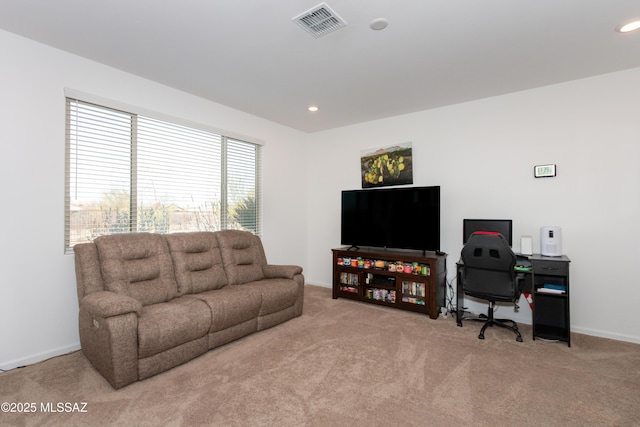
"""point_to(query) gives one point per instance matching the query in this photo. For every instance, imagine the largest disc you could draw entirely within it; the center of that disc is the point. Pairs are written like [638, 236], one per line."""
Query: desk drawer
[555, 268]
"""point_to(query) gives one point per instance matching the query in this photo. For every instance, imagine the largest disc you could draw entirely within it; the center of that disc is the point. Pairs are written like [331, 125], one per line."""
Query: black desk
[550, 313]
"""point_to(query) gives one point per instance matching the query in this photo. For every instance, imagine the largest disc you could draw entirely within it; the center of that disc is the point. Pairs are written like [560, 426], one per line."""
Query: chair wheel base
[490, 321]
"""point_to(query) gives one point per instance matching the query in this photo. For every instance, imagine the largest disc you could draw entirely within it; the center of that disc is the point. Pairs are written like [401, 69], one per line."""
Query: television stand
[408, 280]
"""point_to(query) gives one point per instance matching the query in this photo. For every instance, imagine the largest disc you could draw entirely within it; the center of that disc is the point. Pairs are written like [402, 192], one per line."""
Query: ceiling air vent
[320, 20]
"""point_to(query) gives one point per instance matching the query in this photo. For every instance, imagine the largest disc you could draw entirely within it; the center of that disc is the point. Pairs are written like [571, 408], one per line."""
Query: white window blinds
[131, 173]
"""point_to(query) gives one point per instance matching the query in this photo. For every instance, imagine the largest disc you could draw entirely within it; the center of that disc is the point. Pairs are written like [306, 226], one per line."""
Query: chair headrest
[488, 250]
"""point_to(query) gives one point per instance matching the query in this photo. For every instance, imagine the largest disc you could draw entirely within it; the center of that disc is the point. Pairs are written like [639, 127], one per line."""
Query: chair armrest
[108, 304]
[272, 271]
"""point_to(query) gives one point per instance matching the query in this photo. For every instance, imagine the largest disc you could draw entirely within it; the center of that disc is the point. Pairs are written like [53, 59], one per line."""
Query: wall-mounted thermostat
[544, 171]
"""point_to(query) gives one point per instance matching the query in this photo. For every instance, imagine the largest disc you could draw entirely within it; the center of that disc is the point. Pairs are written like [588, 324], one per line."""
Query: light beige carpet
[344, 363]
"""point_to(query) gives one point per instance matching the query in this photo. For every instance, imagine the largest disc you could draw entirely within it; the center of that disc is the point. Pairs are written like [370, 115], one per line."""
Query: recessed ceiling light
[379, 24]
[630, 26]
[313, 108]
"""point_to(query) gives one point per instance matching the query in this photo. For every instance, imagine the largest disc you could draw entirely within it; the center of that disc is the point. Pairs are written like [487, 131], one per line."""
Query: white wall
[482, 155]
[38, 304]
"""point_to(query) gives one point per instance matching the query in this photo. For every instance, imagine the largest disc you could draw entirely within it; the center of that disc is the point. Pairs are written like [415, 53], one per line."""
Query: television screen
[502, 226]
[401, 218]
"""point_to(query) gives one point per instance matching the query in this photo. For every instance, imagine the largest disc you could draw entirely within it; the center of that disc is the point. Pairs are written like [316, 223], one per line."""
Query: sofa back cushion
[196, 261]
[242, 256]
[137, 265]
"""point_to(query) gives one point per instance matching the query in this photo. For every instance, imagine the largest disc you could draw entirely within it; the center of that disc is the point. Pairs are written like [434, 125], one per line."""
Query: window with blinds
[129, 173]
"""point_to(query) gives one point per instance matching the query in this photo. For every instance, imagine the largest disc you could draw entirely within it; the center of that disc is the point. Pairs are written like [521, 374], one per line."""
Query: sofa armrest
[109, 335]
[108, 304]
[272, 271]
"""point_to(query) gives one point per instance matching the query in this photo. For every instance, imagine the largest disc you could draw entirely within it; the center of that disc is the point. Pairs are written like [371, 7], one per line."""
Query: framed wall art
[382, 167]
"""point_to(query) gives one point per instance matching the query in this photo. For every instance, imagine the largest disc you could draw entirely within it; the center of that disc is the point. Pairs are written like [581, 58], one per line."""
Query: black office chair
[488, 274]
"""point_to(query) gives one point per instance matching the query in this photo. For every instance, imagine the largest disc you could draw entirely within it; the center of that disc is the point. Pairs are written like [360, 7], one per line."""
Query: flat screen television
[502, 226]
[398, 218]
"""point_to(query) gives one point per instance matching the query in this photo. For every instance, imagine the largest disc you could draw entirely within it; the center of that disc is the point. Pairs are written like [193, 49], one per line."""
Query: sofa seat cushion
[277, 294]
[231, 306]
[167, 325]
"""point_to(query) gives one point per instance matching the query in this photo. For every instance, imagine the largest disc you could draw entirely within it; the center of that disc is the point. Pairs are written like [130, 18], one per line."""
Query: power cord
[450, 295]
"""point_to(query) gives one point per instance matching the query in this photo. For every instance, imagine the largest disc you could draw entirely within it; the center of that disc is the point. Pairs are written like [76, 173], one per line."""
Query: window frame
[225, 138]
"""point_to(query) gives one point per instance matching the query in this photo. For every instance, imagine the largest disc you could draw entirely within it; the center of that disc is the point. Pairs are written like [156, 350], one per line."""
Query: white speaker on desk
[551, 241]
[526, 245]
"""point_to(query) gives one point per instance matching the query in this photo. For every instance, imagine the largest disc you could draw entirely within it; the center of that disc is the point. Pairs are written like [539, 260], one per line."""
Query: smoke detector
[320, 20]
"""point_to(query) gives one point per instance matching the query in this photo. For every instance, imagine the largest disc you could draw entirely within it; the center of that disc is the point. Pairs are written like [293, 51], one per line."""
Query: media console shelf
[406, 280]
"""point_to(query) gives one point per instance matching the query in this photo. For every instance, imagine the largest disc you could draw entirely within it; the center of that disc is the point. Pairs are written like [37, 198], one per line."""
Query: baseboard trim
[19, 363]
[603, 334]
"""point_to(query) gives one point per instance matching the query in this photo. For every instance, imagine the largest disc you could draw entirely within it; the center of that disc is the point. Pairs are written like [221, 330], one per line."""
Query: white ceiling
[251, 56]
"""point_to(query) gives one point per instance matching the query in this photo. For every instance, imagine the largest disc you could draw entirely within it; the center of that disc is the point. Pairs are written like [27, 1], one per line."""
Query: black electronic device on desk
[502, 226]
